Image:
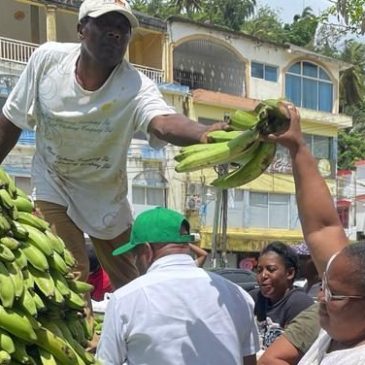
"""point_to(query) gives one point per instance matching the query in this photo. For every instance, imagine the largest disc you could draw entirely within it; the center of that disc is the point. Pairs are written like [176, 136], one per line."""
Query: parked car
[246, 279]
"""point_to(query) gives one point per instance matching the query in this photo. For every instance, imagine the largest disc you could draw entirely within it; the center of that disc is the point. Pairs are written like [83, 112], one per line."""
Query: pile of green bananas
[241, 148]
[42, 319]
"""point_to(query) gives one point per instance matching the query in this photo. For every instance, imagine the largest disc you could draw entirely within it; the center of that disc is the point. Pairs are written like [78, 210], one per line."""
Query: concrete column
[51, 23]
[167, 52]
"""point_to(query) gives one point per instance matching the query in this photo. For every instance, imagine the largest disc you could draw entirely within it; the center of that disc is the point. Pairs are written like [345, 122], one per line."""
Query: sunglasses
[329, 297]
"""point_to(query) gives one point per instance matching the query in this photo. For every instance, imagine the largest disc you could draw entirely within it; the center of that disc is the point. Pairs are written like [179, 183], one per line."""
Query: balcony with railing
[12, 50]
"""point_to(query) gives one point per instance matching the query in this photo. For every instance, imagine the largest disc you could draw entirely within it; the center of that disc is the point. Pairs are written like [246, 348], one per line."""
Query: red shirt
[100, 280]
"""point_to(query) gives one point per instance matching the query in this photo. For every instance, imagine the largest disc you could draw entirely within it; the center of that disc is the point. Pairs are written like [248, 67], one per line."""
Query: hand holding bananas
[241, 146]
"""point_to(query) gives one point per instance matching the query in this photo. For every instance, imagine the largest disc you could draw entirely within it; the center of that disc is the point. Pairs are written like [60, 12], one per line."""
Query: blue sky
[288, 8]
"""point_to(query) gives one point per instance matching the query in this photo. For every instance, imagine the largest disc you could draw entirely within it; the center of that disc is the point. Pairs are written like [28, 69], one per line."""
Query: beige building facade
[205, 72]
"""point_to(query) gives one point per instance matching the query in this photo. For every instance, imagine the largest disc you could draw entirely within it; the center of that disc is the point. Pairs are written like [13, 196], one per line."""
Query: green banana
[77, 330]
[52, 326]
[32, 220]
[5, 357]
[27, 304]
[75, 301]
[58, 298]
[88, 326]
[189, 150]
[10, 242]
[16, 276]
[17, 324]
[8, 182]
[57, 243]
[5, 200]
[19, 232]
[219, 153]
[20, 258]
[79, 286]
[60, 282]
[241, 120]
[28, 279]
[55, 345]
[35, 256]
[23, 204]
[7, 290]
[57, 262]
[46, 357]
[5, 225]
[6, 342]
[20, 354]
[39, 239]
[41, 307]
[69, 258]
[222, 136]
[6, 254]
[254, 168]
[20, 192]
[43, 281]
[87, 357]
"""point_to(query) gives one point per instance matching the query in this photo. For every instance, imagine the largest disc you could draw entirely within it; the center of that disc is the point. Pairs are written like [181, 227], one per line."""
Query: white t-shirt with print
[82, 137]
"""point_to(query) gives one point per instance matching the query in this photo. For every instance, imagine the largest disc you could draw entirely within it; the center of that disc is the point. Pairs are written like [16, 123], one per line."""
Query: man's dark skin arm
[180, 130]
[9, 135]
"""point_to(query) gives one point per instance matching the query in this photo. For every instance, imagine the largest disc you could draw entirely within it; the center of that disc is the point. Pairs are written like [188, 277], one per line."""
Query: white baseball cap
[96, 8]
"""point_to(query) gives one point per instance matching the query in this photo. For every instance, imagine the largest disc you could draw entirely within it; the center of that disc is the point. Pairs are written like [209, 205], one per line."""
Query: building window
[320, 146]
[263, 71]
[149, 188]
[202, 64]
[269, 210]
[309, 86]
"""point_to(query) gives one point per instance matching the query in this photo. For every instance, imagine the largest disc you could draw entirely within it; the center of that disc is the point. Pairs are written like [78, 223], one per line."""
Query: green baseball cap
[157, 225]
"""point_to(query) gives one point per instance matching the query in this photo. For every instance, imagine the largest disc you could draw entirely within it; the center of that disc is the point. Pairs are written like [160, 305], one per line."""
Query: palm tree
[189, 6]
[352, 80]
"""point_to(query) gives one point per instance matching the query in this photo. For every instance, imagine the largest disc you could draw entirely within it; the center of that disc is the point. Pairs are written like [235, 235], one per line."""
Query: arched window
[202, 64]
[149, 188]
[309, 86]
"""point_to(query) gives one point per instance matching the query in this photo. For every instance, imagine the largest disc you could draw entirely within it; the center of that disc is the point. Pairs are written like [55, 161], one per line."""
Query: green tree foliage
[303, 29]
[352, 80]
[351, 13]
[227, 13]
[351, 148]
[265, 25]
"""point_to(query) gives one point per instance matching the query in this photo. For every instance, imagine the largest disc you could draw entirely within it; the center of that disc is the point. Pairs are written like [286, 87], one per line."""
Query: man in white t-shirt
[86, 102]
[176, 313]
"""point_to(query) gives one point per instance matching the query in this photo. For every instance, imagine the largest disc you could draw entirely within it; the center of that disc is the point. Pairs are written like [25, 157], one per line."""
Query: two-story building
[205, 72]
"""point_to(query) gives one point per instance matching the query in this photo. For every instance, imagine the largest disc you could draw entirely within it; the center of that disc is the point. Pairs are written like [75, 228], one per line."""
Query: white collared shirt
[178, 314]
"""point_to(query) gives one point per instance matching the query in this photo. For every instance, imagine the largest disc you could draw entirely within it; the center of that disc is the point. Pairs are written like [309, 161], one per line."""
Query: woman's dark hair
[288, 254]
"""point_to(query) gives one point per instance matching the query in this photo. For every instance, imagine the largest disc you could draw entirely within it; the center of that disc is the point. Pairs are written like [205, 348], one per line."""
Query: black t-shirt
[273, 318]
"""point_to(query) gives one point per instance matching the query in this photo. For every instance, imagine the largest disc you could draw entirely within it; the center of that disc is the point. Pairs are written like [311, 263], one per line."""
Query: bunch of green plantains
[242, 147]
[42, 305]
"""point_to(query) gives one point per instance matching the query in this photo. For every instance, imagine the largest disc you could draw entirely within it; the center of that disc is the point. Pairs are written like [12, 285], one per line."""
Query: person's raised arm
[200, 254]
[9, 135]
[180, 130]
[322, 228]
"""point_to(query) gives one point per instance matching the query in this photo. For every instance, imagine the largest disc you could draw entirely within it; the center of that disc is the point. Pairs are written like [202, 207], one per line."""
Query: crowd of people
[86, 102]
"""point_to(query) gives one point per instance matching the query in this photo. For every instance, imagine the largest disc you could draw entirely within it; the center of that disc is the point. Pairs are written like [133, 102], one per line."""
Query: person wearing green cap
[175, 313]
